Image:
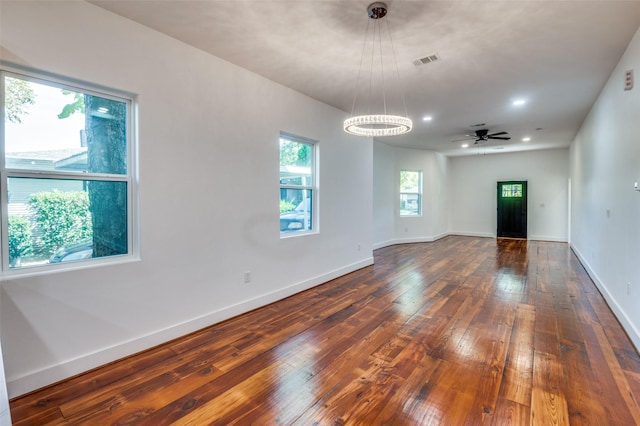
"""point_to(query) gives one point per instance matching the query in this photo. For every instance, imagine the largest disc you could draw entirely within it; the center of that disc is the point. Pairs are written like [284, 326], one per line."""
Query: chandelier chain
[393, 50]
[364, 46]
[384, 93]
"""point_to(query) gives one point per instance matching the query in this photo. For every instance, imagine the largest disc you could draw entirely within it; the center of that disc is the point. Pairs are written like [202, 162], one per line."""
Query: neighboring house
[291, 172]
[20, 190]
[55, 159]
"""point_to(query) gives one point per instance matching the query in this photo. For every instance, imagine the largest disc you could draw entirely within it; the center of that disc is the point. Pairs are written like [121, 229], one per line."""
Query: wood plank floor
[462, 331]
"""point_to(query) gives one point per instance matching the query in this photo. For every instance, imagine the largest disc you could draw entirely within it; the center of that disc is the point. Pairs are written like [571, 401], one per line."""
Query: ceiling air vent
[426, 60]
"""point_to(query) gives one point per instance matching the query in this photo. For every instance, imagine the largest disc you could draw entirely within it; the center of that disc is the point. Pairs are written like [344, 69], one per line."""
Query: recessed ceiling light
[465, 145]
[427, 118]
[519, 102]
[527, 139]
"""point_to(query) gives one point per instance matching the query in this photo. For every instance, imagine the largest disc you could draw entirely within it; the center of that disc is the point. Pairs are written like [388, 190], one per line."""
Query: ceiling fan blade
[502, 138]
[497, 134]
[465, 139]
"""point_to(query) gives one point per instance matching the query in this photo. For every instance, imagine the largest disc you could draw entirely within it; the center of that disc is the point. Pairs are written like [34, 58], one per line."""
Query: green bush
[63, 217]
[20, 243]
[286, 206]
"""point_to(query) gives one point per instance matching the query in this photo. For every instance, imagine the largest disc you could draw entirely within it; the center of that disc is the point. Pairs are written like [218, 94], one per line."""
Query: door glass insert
[512, 190]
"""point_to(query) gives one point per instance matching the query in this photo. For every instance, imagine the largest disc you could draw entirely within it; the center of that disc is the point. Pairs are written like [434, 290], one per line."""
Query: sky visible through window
[512, 191]
[41, 129]
[56, 208]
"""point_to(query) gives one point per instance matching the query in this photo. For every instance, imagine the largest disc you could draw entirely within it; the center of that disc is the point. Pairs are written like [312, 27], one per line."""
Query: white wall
[385, 195]
[208, 135]
[5, 410]
[438, 174]
[473, 196]
[460, 193]
[605, 209]
[388, 227]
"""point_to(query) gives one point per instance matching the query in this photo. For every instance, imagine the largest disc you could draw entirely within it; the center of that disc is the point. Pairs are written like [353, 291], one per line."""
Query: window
[66, 172]
[410, 193]
[512, 190]
[298, 192]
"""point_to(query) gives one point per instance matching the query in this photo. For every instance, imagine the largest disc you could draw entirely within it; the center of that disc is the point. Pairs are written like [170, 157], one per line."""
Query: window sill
[17, 274]
[287, 235]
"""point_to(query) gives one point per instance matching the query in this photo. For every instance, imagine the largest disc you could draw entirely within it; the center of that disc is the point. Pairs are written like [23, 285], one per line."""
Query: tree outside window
[297, 185]
[410, 193]
[66, 170]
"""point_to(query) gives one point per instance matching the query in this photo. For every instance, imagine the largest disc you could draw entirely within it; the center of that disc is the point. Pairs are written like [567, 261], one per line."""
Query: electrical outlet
[628, 289]
[628, 80]
[247, 277]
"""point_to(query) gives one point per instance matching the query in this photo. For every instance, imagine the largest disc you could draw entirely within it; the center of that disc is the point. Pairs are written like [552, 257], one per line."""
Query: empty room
[319, 212]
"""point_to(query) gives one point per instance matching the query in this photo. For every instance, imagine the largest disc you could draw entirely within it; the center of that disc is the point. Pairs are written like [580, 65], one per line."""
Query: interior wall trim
[46, 376]
[632, 332]
[474, 234]
[548, 238]
[409, 240]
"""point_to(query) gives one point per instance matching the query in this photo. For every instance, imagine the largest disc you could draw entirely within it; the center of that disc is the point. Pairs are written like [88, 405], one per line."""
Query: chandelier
[376, 125]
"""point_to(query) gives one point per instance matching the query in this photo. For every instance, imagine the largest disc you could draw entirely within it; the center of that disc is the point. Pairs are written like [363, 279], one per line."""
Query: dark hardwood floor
[462, 331]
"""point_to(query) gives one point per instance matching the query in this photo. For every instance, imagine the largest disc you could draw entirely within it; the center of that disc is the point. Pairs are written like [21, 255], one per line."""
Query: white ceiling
[555, 54]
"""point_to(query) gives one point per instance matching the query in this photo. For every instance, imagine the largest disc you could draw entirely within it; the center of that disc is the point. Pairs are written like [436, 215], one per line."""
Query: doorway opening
[512, 209]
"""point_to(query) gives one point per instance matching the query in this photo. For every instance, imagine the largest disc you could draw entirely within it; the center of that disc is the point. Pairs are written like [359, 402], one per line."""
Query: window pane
[512, 191]
[409, 204]
[410, 193]
[296, 161]
[60, 220]
[410, 181]
[53, 129]
[295, 210]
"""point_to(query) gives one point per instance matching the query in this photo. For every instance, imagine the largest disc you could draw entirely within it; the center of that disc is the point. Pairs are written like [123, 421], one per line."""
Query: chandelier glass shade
[381, 124]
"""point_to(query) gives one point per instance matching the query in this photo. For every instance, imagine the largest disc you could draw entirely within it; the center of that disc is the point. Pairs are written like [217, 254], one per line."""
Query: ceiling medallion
[377, 125]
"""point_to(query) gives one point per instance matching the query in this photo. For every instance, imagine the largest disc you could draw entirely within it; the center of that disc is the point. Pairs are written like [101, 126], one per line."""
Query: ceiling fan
[482, 135]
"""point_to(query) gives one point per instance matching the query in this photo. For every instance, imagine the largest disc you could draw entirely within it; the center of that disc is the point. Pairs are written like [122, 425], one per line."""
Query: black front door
[512, 209]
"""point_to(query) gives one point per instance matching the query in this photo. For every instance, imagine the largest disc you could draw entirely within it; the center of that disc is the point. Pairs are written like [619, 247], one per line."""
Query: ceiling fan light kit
[483, 135]
[377, 125]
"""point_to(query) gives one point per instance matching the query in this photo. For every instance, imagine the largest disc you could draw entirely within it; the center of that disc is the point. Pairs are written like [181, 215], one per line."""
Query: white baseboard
[31, 381]
[384, 244]
[531, 237]
[628, 326]
[473, 234]
[440, 236]
[409, 240]
[414, 240]
[548, 238]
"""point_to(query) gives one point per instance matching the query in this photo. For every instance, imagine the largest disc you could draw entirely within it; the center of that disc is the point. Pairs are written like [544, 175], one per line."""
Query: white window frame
[130, 179]
[418, 193]
[313, 186]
